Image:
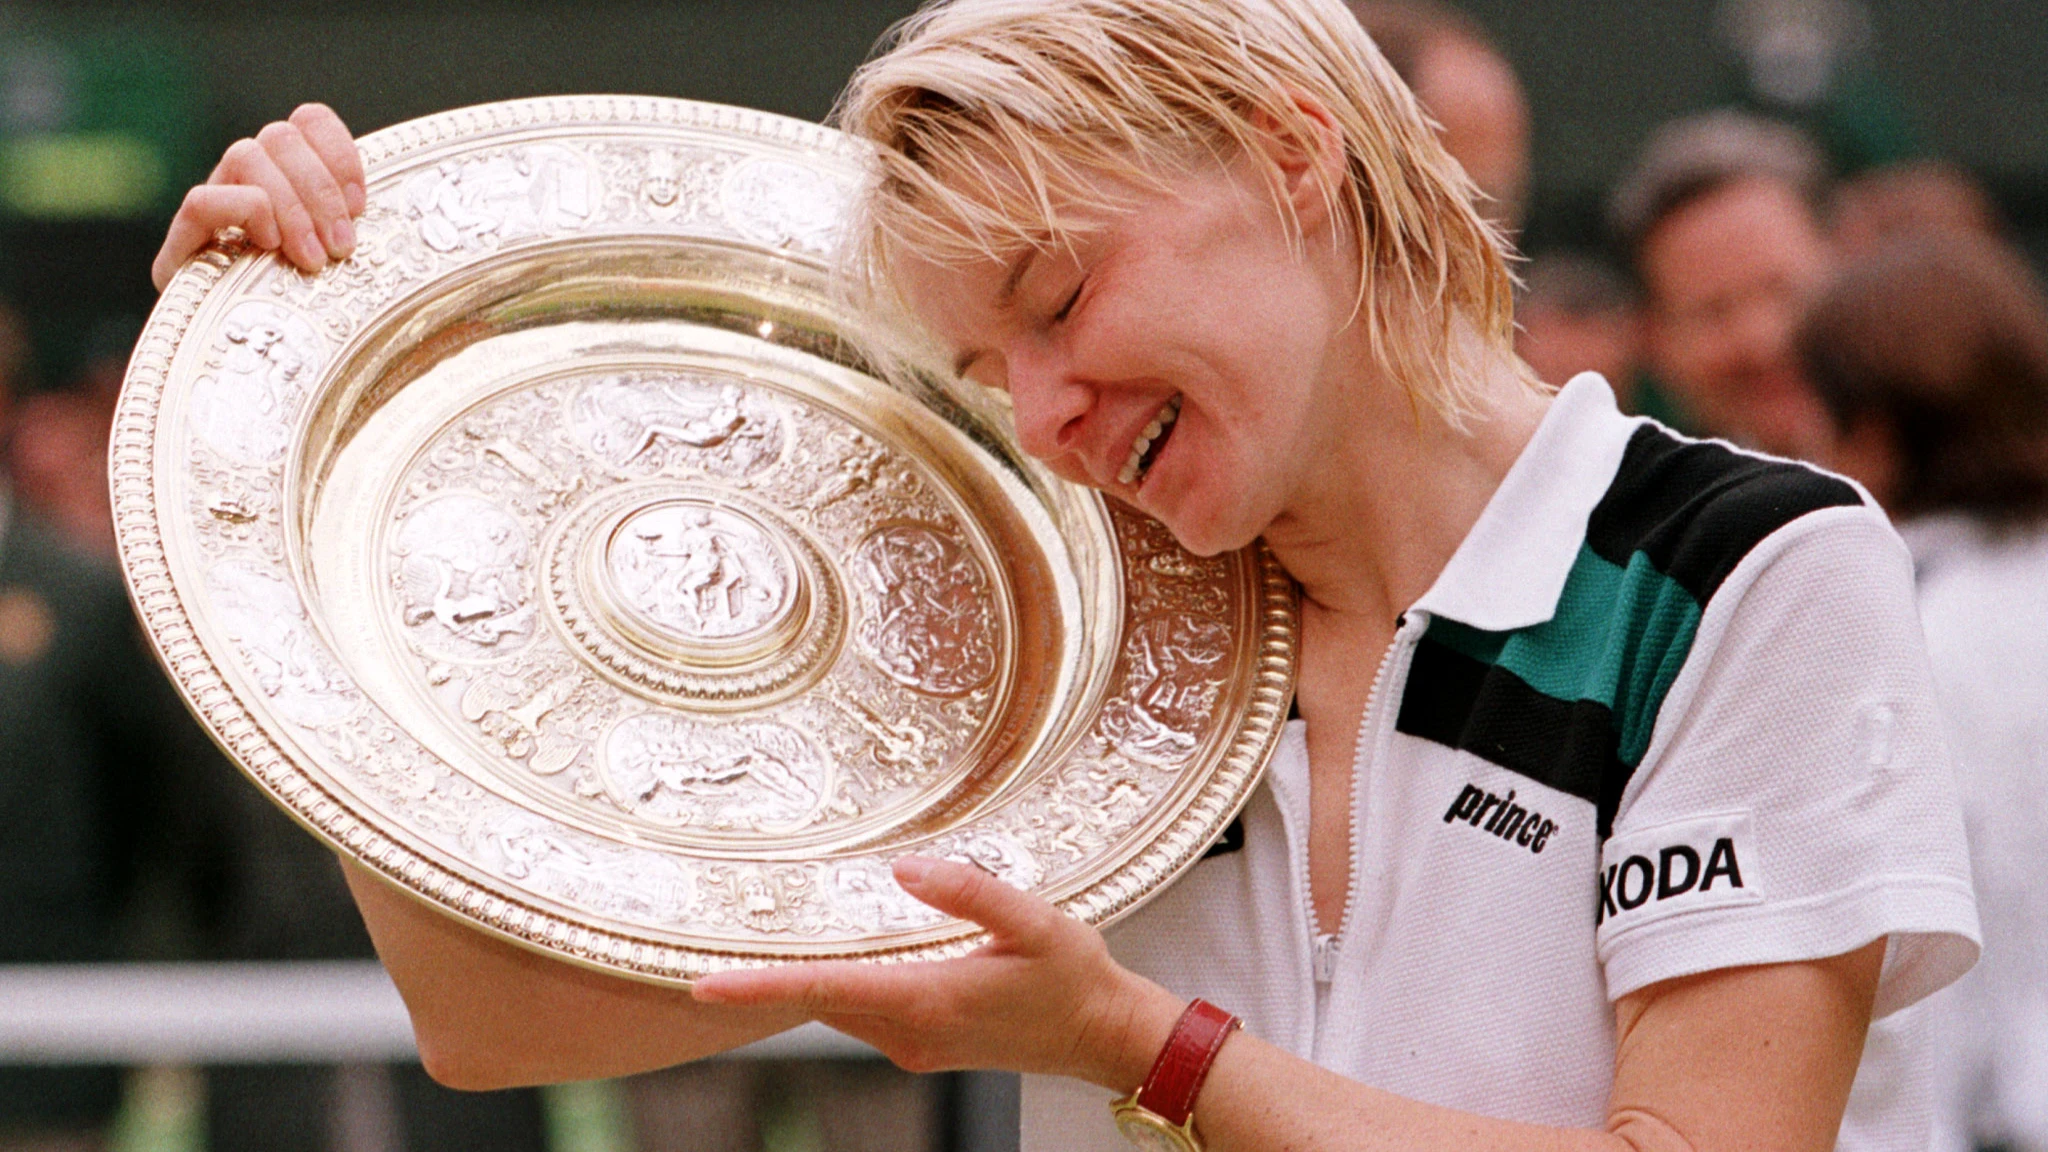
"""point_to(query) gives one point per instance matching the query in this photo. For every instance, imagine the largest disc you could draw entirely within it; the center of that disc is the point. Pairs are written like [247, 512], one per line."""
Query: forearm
[1739, 1058]
[488, 1014]
[1260, 1098]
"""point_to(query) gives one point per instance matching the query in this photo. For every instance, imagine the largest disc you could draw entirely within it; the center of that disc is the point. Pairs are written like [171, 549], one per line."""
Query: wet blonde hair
[991, 116]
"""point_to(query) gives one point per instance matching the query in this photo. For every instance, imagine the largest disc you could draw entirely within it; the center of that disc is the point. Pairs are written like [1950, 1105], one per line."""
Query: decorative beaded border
[241, 732]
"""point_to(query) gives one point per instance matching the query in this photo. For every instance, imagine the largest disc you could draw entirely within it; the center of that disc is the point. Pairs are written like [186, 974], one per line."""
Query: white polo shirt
[1666, 710]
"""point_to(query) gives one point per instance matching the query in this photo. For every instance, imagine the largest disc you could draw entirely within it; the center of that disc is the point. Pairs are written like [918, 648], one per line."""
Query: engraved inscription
[926, 621]
[701, 572]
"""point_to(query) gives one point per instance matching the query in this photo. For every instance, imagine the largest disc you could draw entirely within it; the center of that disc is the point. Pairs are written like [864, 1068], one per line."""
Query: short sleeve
[1795, 801]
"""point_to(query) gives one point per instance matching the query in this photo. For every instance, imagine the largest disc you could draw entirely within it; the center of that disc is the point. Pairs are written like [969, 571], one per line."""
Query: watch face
[1152, 1134]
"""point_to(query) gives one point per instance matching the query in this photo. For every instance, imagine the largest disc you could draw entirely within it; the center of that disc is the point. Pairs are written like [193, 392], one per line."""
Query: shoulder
[1695, 510]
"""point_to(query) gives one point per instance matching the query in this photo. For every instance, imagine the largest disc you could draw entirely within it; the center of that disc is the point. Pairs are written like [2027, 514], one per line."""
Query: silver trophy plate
[556, 557]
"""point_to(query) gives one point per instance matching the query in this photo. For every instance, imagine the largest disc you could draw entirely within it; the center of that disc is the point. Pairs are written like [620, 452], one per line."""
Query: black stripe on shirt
[1455, 700]
[1696, 509]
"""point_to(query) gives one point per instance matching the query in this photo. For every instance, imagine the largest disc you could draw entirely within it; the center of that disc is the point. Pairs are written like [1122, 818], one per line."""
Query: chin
[1208, 536]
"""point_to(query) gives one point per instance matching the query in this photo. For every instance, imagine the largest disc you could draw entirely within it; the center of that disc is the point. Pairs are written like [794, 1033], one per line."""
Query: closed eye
[1072, 300]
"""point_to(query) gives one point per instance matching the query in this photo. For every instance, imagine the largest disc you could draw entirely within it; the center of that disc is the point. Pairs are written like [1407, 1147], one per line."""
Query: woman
[1931, 354]
[1582, 840]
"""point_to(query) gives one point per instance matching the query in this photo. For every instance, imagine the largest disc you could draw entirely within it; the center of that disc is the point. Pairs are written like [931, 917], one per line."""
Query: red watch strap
[1176, 1079]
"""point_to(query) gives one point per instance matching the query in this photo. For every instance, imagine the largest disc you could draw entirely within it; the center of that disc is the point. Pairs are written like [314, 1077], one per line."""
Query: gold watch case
[1150, 1131]
[557, 557]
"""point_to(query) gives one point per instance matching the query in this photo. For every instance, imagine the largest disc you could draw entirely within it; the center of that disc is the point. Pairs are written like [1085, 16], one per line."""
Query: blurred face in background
[1559, 343]
[1474, 96]
[1728, 276]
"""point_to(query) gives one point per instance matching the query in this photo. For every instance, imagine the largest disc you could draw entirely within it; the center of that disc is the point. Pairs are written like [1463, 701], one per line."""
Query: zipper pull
[1325, 959]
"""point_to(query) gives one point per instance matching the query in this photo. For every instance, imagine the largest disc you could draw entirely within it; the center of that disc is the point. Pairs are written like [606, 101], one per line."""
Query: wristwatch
[1159, 1116]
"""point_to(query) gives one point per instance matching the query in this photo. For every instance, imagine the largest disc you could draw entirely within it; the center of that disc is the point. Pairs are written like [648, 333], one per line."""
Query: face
[1729, 275]
[1177, 357]
[1474, 97]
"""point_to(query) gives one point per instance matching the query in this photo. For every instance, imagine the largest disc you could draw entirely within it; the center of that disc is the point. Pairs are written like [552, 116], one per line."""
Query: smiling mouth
[1149, 442]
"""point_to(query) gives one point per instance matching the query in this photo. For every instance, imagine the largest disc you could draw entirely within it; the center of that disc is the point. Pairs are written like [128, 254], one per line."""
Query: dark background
[1965, 79]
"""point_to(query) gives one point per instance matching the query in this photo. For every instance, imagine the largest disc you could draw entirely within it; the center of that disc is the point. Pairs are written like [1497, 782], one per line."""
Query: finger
[248, 162]
[330, 138]
[826, 988]
[208, 209]
[315, 185]
[968, 892]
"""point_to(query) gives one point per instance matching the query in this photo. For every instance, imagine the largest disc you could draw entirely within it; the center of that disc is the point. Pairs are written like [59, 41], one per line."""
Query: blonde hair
[990, 115]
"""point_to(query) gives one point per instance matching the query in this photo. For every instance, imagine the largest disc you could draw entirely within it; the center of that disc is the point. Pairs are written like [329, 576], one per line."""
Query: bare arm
[1738, 1059]
[489, 1014]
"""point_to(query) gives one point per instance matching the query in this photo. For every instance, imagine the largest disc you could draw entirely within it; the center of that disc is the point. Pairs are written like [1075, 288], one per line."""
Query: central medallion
[710, 600]
[701, 576]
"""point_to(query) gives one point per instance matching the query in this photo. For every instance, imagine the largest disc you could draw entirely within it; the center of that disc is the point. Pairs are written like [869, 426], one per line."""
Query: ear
[1309, 154]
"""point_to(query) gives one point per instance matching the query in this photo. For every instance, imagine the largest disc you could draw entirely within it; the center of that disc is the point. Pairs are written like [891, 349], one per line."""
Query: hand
[1043, 995]
[295, 188]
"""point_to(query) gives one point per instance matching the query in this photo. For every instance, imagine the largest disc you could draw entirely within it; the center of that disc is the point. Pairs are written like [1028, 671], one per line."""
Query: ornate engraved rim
[239, 729]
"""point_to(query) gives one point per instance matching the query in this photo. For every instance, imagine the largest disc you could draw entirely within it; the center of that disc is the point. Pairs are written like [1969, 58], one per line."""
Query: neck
[1394, 490]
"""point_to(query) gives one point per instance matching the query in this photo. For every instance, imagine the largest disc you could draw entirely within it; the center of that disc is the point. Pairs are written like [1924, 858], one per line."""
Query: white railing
[339, 1012]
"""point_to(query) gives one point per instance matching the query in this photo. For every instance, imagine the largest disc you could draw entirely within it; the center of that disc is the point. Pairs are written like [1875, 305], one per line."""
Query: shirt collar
[1512, 565]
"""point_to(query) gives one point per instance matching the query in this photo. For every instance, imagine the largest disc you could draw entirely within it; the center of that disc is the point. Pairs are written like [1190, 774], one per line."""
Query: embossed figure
[510, 715]
[707, 574]
[267, 357]
[926, 620]
[858, 470]
[463, 564]
[748, 776]
[1172, 688]
[865, 893]
[526, 844]
[622, 418]
[708, 430]
[664, 180]
[264, 616]
[784, 204]
[498, 198]
[1000, 856]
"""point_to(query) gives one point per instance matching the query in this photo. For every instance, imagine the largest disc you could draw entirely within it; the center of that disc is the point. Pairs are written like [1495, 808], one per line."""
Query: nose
[1048, 402]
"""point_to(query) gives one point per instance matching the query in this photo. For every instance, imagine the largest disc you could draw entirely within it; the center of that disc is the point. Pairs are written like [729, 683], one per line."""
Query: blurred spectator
[125, 835]
[1578, 314]
[1721, 214]
[1909, 199]
[58, 456]
[1468, 87]
[1932, 358]
[84, 760]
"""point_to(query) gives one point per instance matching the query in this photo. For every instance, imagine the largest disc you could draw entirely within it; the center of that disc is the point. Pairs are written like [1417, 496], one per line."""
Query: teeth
[1168, 413]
